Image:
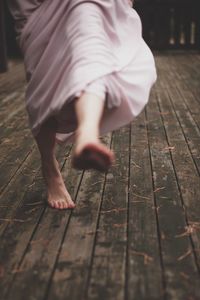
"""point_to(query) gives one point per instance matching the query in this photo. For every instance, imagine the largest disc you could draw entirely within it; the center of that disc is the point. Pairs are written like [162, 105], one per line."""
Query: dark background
[167, 24]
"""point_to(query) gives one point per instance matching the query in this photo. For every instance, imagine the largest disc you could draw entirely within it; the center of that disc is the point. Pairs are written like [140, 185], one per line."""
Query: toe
[51, 204]
[71, 204]
[57, 204]
[64, 205]
[61, 205]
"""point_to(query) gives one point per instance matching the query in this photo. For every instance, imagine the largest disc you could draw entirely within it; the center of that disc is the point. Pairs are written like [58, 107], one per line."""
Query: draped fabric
[71, 46]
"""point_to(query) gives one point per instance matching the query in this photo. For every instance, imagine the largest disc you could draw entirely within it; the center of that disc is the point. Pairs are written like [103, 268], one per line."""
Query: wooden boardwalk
[135, 232]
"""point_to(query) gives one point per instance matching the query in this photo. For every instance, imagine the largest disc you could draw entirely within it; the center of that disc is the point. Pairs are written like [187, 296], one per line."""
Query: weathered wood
[73, 267]
[186, 167]
[175, 246]
[16, 121]
[12, 101]
[135, 231]
[186, 106]
[110, 251]
[145, 270]
[21, 238]
[45, 257]
[189, 127]
[14, 152]
[12, 80]
[11, 104]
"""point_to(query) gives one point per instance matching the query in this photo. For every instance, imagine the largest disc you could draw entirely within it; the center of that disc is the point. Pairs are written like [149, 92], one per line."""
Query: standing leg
[89, 151]
[58, 196]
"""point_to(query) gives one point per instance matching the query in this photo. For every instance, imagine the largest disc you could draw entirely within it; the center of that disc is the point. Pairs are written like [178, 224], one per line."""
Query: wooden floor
[135, 232]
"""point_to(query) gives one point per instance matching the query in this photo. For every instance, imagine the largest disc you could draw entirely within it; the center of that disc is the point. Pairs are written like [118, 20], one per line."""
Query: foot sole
[93, 157]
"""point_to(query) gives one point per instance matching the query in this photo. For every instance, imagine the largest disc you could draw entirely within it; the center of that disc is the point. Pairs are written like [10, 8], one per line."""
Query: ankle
[49, 162]
[48, 158]
[87, 131]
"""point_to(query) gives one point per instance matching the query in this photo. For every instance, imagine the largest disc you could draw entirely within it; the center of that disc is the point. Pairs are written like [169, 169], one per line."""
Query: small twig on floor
[32, 210]
[157, 208]
[14, 220]
[189, 252]
[120, 225]
[93, 184]
[189, 230]
[134, 163]
[31, 185]
[117, 210]
[163, 236]
[195, 224]
[35, 203]
[139, 201]
[159, 189]
[184, 275]
[45, 242]
[93, 231]
[18, 270]
[110, 201]
[147, 258]
[170, 148]
[139, 196]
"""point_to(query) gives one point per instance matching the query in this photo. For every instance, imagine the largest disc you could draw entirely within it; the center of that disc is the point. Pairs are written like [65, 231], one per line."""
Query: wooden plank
[13, 115]
[185, 105]
[145, 271]
[190, 71]
[181, 276]
[16, 187]
[187, 124]
[11, 104]
[188, 74]
[41, 247]
[13, 78]
[15, 122]
[16, 138]
[186, 109]
[62, 234]
[187, 168]
[73, 265]
[14, 152]
[29, 220]
[192, 105]
[108, 275]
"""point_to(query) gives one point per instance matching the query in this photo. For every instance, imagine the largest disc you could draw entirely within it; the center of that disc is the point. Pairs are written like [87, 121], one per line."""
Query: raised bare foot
[58, 196]
[90, 153]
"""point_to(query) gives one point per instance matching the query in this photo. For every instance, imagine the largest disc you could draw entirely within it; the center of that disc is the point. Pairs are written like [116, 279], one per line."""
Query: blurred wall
[166, 24]
[12, 47]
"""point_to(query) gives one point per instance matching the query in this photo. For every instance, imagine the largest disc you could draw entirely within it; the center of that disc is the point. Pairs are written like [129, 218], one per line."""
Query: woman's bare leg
[58, 196]
[89, 109]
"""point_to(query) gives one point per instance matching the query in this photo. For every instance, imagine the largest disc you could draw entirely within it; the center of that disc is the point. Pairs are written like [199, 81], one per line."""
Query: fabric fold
[72, 46]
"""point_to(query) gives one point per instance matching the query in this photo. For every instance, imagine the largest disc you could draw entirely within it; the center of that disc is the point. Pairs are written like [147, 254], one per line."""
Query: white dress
[71, 46]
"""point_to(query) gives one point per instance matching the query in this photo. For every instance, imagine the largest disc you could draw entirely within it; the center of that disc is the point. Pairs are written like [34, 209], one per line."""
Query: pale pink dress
[71, 46]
